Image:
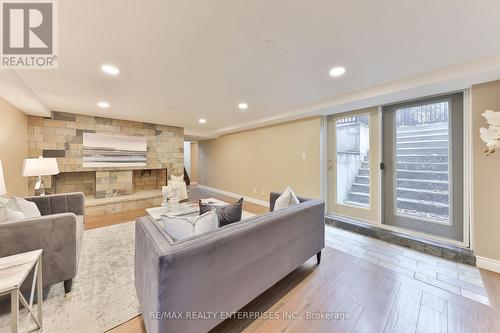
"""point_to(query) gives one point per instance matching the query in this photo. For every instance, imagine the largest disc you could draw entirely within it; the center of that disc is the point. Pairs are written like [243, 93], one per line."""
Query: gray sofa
[59, 232]
[223, 270]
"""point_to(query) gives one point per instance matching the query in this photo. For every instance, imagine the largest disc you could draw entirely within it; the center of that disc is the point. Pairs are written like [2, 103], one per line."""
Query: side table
[13, 271]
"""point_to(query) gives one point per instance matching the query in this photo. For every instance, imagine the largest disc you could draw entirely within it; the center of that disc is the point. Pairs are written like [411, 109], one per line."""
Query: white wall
[187, 157]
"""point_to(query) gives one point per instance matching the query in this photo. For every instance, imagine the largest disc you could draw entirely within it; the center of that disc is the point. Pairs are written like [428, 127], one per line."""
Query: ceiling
[184, 60]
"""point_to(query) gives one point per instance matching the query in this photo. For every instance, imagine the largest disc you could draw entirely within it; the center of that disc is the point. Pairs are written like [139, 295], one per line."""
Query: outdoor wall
[486, 175]
[13, 147]
[256, 162]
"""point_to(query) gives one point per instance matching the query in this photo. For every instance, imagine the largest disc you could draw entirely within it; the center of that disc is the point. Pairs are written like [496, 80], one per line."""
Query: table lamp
[38, 167]
[3, 189]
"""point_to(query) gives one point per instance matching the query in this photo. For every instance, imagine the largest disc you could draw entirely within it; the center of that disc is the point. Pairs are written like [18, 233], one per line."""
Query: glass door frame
[455, 172]
[325, 145]
[366, 214]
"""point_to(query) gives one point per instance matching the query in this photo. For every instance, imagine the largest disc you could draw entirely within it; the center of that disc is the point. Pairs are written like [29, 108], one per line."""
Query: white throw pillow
[13, 215]
[28, 208]
[3, 213]
[182, 193]
[4, 201]
[7, 214]
[177, 178]
[180, 227]
[286, 199]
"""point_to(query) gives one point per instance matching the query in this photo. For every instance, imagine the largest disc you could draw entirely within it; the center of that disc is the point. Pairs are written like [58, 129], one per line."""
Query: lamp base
[40, 187]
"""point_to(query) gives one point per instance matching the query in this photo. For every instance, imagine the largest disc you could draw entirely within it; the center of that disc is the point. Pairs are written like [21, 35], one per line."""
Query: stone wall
[113, 183]
[75, 182]
[61, 137]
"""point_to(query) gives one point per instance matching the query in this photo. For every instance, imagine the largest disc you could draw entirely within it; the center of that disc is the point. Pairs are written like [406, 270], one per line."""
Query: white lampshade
[3, 190]
[34, 167]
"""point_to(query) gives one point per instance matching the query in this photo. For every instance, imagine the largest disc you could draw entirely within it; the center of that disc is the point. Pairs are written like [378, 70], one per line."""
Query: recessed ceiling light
[202, 120]
[337, 71]
[103, 105]
[243, 106]
[112, 70]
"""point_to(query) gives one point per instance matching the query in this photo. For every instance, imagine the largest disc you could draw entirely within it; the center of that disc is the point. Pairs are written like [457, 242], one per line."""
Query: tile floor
[456, 278]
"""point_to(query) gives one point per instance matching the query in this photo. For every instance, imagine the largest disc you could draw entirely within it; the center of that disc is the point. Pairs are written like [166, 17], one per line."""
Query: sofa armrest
[55, 234]
[60, 203]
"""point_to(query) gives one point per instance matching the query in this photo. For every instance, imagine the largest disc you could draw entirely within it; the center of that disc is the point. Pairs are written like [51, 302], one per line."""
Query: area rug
[103, 293]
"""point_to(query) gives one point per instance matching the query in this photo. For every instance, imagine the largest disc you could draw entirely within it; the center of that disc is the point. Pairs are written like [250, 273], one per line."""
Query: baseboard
[488, 264]
[193, 183]
[235, 195]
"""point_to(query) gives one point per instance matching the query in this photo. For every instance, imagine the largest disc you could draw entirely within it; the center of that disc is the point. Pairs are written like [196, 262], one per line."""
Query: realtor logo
[29, 36]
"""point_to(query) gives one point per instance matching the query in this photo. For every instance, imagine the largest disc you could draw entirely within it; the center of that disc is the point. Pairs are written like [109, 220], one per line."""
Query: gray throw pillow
[226, 214]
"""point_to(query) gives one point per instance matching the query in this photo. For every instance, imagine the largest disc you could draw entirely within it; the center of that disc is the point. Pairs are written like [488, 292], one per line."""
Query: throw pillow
[286, 199]
[13, 215]
[7, 214]
[3, 213]
[180, 227]
[226, 214]
[177, 178]
[28, 208]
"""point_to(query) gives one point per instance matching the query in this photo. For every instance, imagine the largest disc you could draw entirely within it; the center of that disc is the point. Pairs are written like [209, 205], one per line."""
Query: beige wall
[194, 162]
[256, 162]
[13, 147]
[486, 175]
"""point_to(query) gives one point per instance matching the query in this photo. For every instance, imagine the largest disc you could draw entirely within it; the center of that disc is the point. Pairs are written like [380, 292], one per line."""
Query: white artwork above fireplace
[114, 151]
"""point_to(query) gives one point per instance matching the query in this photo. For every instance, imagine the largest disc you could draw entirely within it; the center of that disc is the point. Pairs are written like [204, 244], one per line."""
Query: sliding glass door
[423, 166]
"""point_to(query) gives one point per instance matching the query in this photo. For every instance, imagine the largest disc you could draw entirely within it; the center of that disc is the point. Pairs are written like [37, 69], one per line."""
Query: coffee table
[184, 209]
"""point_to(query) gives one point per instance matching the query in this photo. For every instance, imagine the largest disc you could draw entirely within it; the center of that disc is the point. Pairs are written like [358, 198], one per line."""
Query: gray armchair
[59, 232]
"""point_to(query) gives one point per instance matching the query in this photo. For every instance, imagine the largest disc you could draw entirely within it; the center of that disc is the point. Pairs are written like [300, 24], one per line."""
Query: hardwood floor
[363, 295]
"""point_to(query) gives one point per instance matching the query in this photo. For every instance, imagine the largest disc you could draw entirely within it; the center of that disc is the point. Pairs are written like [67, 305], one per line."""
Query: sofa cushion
[181, 227]
[226, 214]
[286, 199]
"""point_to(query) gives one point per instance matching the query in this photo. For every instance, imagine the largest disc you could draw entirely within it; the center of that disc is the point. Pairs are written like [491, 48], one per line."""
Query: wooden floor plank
[463, 320]
[378, 302]
[431, 320]
[404, 314]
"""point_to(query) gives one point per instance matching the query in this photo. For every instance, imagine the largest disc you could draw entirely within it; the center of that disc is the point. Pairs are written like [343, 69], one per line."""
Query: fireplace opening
[151, 179]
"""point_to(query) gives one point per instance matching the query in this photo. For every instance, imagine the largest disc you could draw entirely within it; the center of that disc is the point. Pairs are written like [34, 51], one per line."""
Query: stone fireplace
[113, 189]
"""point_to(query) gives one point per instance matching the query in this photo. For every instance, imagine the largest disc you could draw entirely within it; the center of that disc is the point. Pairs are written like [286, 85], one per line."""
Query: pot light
[112, 70]
[103, 105]
[243, 106]
[337, 71]
[202, 121]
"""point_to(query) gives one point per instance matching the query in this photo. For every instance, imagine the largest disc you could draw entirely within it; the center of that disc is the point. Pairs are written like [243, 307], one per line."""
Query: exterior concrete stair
[422, 178]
